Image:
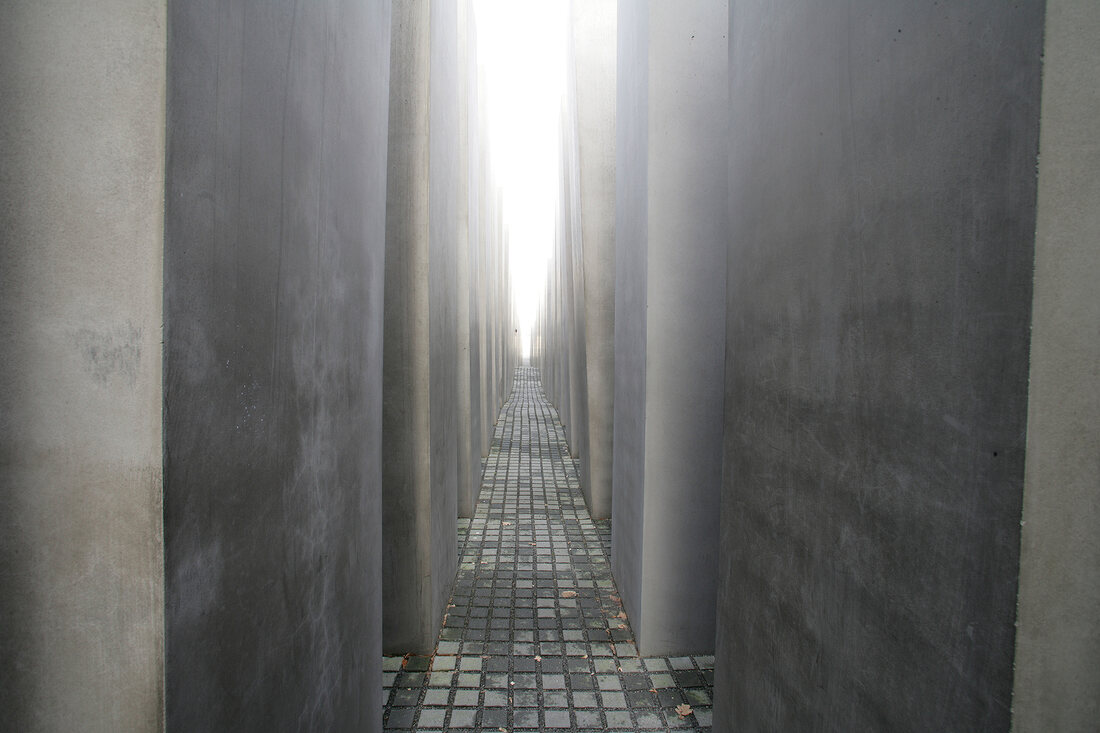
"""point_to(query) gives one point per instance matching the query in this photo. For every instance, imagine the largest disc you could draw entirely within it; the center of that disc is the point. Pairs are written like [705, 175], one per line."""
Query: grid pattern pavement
[535, 636]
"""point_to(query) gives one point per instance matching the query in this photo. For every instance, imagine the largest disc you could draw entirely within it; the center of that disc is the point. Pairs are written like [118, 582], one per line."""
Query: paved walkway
[535, 637]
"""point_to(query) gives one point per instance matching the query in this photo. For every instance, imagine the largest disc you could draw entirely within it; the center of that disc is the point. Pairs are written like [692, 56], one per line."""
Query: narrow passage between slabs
[535, 636]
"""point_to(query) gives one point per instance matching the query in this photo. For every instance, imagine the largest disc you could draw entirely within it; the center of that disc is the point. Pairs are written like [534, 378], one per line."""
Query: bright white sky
[521, 49]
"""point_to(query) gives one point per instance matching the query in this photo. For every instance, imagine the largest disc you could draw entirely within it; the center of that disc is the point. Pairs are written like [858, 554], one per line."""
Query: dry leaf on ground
[683, 710]
[569, 594]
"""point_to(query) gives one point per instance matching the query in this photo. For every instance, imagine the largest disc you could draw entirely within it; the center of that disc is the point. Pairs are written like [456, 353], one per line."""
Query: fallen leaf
[569, 594]
[622, 614]
[538, 658]
[683, 710]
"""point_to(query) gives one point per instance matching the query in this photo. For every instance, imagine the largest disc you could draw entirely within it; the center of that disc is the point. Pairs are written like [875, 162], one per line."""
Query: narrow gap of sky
[521, 50]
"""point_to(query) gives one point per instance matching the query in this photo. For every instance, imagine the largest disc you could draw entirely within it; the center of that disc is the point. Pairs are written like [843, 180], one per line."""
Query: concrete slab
[273, 363]
[882, 209]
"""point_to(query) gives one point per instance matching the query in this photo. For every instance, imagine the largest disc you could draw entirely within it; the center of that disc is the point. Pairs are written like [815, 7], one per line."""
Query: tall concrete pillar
[420, 349]
[593, 28]
[476, 259]
[571, 246]
[81, 216]
[469, 464]
[273, 284]
[1057, 665]
[669, 318]
[444, 175]
[482, 266]
[882, 209]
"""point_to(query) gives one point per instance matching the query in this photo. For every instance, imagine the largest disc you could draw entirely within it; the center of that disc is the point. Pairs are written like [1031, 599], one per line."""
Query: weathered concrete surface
[81, 216]
[1057, 681]
[593, 33]
[669, 320]
[273, 290]
[882, 209]
[420, 554]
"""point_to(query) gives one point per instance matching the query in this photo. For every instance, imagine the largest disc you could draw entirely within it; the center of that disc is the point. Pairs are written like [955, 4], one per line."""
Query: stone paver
[535, 637]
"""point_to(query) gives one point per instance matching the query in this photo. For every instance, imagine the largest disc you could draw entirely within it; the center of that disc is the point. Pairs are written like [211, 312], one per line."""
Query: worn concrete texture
[882, 207]
[81, 240]
[274, 253]
[420, 409]
[1057, 680]
[671, 270]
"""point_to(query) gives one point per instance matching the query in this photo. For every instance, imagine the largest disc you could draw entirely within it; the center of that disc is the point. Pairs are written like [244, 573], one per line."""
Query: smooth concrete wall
[81, 241]
[672, 275]
[469, 463]
[481, 266]
[562, 364]
[420, 554]
[475, 163]
[1057, 680]
[493, 318]
[631, 270]
[571, 353]
[882, 207]
[593, 33]
[573, 294]
[443, 183]
[276, 178]
[493, 342]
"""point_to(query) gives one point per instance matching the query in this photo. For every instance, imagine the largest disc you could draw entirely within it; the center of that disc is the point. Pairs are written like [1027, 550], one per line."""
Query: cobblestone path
[535, 637]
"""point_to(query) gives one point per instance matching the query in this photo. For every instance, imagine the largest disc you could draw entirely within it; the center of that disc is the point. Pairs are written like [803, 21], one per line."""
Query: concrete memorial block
[273, 284]
[1057, 668]
[420, 552]
[882, 213]
[669, 327]
[81, 216]
[593, 28]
